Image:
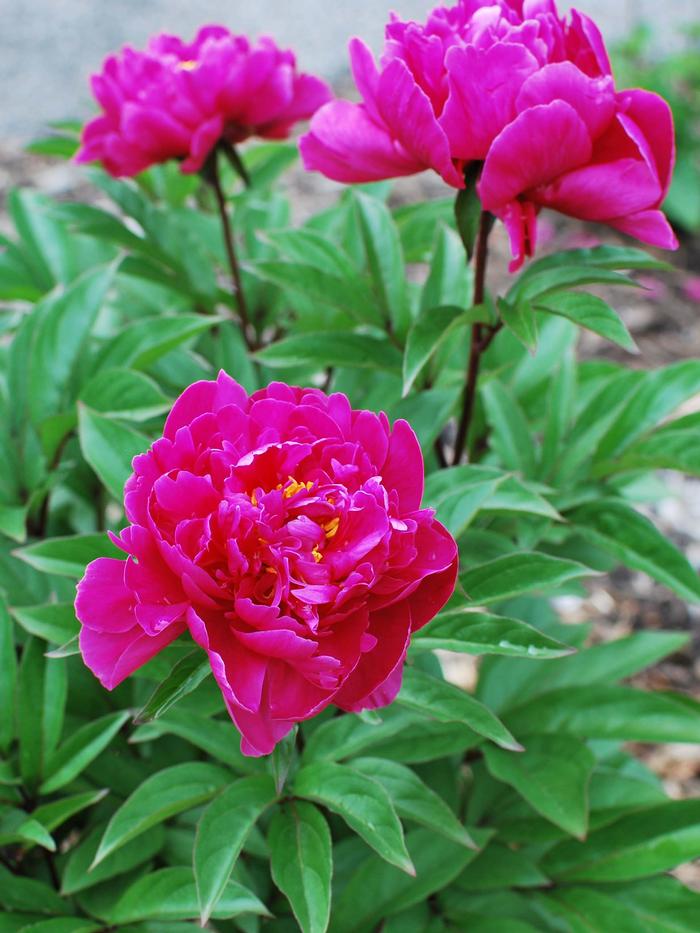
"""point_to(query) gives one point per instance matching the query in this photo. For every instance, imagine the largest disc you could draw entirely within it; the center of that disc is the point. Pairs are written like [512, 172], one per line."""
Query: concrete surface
[49, 47]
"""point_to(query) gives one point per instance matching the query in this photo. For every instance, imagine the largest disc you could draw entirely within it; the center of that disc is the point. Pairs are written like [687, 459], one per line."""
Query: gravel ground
[49, 47]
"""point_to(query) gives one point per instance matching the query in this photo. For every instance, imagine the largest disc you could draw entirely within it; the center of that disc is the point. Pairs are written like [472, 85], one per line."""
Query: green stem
[214, 179]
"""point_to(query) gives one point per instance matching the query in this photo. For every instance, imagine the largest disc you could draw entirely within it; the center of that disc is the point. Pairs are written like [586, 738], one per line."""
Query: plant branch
[213, 177]
[482, 335]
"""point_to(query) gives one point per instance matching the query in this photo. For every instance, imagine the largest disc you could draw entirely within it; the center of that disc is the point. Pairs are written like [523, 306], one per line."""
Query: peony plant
[322, 489]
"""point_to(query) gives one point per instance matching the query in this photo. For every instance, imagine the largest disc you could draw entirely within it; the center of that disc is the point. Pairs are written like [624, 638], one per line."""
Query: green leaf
[515, 495]
[29, 896]
[601, 712]
[497, 867]
[109, 448]
[63, 925]
[430, 332]
[449, 280]
[661, 392]
[161, 796]
[669, 448]
[521, 320]
[363, 804]
[8, 676]
[319, 350]
[186, 676]
[585, 909]
[511, 436]
[343, 293]
[664, 904]
[124, 393]
[13, 519]
[301, 861]
[440, 700]
[603, 257]
[643, 843]
[63, 321]
[139, 345]
[552, 774]
[265, 162]
[221, 832]
[67, 557]
[635, 541]
[16, 826]
[504, 684]
[56, 812]
[560, 411]
[30, 700]
[413, 799]
[79, 749]
[533, 286]
[376, 890]
[348, 735]
[468, 212]
[54, 622]
[54, 704]
[79, 876]
[384, 258]
[590, 312]
[214, 736]
[170, 894]
[458, 493]
[468, 632]
[519, 573]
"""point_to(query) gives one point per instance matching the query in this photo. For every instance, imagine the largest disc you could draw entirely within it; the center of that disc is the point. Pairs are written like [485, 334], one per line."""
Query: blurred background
[49, 47]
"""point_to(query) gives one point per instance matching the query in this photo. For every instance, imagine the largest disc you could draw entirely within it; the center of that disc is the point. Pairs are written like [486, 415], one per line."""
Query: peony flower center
[292, 487]
[188, 65]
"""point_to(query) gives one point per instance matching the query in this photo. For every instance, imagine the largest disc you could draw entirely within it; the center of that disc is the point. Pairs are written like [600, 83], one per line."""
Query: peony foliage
[267, 481]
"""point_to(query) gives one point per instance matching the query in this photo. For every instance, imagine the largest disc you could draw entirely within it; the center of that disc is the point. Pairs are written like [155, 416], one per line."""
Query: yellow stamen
[317, 554]
[293, 487]
[331, 527]
[189, 65]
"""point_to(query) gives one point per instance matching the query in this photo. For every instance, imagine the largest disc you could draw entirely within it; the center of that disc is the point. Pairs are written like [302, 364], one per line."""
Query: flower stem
[214, 179]
[482, 335]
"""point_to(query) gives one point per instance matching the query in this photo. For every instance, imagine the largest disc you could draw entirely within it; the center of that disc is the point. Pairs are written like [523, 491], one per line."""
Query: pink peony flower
[284, 530]
[178, 100]
[512, 85]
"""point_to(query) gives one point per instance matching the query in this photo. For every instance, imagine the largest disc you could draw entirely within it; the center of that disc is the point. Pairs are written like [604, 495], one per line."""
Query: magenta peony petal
[593, 99]
[406, 110]
[240, 673]
[438, 559]
[403, 468]
[259, 731]
[112, 656]
[654, 118]
[549, 140]
[650, 227]
[600, 192]
[345, 144]
[484, 84]
[366, 75]
[104, 602]
[392, 628]
[203, 397]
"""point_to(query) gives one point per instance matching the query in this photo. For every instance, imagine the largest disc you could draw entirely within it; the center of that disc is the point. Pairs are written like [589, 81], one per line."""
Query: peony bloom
[513, 86]
[284, 531]
[178, 100]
